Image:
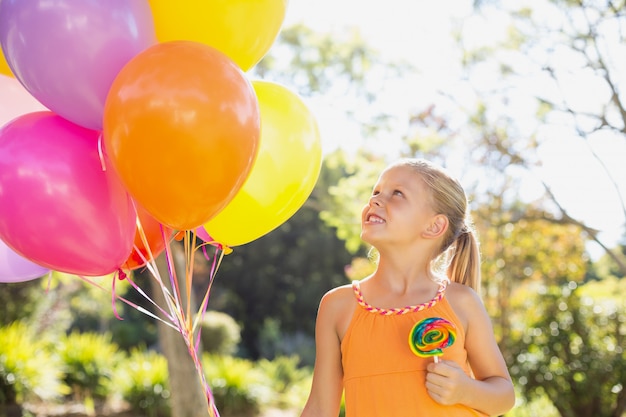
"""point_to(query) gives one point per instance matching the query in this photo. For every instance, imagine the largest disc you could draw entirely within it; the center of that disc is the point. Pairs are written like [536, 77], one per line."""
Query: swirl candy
[430, 336]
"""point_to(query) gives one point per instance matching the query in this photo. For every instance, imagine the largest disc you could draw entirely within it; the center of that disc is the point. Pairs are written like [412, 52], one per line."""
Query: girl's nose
[376, 200]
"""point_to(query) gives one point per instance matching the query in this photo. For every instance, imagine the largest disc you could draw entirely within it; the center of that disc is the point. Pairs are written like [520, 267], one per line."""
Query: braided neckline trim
[395, 311]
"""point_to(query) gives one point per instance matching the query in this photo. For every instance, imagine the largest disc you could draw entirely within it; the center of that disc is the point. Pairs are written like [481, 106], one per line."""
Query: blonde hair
[459, 255]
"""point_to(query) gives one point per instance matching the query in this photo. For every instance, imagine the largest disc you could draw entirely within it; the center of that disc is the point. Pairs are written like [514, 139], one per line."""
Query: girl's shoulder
[461, 292]
[465, 302]
[337, 307]
[338, 298]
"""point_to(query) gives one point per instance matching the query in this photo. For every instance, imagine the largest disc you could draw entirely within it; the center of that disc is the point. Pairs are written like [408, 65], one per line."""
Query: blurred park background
[524, 101]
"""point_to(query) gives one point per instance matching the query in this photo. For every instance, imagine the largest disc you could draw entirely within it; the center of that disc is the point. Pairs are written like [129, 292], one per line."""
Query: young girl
[428, 260]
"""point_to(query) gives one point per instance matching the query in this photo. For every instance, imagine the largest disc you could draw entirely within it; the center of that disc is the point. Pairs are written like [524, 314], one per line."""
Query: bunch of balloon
[59, 208]
[151, 128]
[282, 177]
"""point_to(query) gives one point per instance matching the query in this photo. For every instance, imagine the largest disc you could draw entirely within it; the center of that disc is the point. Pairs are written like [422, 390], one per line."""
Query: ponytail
[465, 265]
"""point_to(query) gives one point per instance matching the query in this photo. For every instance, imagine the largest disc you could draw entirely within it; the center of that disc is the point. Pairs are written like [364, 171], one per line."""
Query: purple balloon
[58, 207]
[15, 268]
[67, 53]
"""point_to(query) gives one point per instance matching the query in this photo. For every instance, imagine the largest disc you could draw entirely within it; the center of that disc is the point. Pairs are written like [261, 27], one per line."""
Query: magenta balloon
[15, 268]
[68, 52]
[203, 234]
[58, 207]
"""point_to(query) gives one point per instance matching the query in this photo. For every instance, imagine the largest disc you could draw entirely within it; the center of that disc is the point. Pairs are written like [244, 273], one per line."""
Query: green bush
[288, 381]
[220, 333]
[89, 362]
[27, 369]
[238, 387]
[143, 382]
[572, 351]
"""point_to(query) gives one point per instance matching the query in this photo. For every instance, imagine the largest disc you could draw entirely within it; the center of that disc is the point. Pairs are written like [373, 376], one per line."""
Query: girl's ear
[437, 227]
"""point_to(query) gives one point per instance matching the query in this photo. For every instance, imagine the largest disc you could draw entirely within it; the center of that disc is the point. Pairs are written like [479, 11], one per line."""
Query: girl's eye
[397, 192]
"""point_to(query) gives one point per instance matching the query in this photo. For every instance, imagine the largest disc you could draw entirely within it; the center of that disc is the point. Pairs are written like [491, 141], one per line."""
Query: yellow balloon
[283, 175]
[242, 29]
[4, 67]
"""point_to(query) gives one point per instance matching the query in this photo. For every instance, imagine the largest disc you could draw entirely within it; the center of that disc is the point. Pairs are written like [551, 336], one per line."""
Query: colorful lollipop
[430, 336]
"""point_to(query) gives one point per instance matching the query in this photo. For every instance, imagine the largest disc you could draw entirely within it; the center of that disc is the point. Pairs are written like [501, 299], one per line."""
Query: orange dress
[382, 376]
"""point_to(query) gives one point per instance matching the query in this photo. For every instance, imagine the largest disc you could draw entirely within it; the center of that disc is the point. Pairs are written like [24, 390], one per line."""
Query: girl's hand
[445, 381]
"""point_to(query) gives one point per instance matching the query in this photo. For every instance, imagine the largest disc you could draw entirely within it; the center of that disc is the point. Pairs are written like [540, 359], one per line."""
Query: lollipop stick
[436, 359]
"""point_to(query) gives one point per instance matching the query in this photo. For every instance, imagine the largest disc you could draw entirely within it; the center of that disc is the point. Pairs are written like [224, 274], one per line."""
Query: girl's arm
[325, 397]
[492, 390]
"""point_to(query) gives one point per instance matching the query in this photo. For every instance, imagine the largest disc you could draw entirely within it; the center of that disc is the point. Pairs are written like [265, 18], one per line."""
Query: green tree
[555, 78]
[573, 349]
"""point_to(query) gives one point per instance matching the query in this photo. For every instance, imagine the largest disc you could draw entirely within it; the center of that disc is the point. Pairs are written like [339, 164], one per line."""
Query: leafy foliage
[573, 352]
[238, 387]
[28, 369]
[90, 361]
[143, 382]
[288, 380]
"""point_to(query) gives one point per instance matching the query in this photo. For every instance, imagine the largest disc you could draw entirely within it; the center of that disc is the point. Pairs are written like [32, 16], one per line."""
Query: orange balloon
[153, 236]
[181, 128]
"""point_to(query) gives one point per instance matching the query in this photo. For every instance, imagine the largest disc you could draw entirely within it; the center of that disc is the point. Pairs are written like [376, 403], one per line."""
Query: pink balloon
[14, 268]
[15, 100]
[68, 52]
[203, 234]
[58, 207]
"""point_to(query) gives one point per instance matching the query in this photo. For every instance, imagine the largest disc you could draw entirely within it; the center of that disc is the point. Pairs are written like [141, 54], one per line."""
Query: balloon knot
[121, 275]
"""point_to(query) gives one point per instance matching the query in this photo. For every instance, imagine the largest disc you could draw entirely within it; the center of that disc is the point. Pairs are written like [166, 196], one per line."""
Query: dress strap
[356, 286]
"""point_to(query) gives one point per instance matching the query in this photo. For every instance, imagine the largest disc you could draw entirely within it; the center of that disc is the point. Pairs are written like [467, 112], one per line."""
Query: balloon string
[190, 238]
[186, 330]
[49, 283]
[144, 240]
[193, 352]
[147, 297]
[151, 265]
[177, 316]
[172, 275]
[152, 268]
[113, 293]
[150, 261]
[101, 153]
[205, 302]
[130, 303]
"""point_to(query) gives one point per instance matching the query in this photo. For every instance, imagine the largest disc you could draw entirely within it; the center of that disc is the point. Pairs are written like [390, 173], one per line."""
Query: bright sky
[420, 31]
[417, 31]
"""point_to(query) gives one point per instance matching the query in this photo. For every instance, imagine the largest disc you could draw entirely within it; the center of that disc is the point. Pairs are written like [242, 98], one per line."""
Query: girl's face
[399, 209]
